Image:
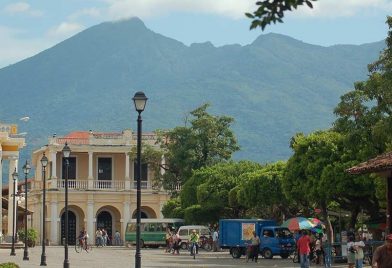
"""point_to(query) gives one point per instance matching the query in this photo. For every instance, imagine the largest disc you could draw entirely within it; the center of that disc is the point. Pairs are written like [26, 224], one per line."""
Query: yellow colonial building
[102, 184]
[10, 144]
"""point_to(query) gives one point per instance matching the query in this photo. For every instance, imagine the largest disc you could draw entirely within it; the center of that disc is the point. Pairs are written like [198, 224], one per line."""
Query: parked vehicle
[203, 231]
[152, 231]
[275, 240]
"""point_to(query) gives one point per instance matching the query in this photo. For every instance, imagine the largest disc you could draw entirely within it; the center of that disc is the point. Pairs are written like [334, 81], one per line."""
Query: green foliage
[206, 141]
[212, 188]
[32, 236]
[173, 209]
[9, 265]
[197, 215]
[273, 11]
[261, 191]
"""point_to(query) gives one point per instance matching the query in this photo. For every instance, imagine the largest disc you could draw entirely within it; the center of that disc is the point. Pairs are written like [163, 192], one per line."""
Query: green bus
[152, 231]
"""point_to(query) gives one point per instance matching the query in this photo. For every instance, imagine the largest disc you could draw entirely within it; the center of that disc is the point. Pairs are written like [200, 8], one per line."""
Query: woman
[358, 245]
[350, 252]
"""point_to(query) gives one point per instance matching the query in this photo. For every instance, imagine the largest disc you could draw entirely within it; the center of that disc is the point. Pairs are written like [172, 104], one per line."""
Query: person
[350, 252]
[382, 256]
[194, 239]
[215, 236]
[176, 243]
[255, 241]
[83, 238]
[303, 245]
[318, 249]
[358, 245]
[98, 237]
[104, 237]
[168, 238]
[117, 239]
[327, 249]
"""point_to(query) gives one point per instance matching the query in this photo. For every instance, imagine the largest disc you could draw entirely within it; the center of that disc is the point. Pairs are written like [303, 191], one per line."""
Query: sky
[29, 27]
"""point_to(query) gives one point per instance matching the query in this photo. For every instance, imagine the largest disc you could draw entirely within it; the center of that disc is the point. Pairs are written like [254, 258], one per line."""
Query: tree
[315, 175]
[261, 192]
[364, 117]
[207, 140]
[272, 11]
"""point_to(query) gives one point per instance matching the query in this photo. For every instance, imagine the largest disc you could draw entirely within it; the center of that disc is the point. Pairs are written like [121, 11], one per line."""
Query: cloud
[65, 29]
[343, 8]
[22, 8]
[235, 9]
[14, 48]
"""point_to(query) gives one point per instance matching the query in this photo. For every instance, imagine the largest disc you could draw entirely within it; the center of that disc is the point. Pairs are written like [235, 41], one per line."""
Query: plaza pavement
[118, 257]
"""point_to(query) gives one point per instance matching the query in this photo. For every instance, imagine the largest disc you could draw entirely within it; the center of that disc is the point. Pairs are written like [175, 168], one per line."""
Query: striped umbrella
[317, 223]
[298, 223]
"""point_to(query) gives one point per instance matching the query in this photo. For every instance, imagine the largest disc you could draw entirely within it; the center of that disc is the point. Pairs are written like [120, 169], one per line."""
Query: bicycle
[80, 246]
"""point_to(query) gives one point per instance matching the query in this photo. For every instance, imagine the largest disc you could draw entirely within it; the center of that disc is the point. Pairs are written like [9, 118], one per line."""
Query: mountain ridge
[274, 87]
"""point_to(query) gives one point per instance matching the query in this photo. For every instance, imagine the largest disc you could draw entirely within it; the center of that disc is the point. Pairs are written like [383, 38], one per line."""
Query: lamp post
[66, 153]
[140, 102]
[44, 163]
[14, 177]
[26, 170]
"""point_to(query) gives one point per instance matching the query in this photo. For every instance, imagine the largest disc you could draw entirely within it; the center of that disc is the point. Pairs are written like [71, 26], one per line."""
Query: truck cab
[276, 240]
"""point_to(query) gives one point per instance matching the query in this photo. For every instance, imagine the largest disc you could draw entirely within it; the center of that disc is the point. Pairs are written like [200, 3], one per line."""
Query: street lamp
[44, 163]
[14, 177]
[66, 153]
[140, 102]
[26, 170]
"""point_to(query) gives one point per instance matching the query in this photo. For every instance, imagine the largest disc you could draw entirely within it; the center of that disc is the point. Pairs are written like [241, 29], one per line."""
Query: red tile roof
[380, 163]
[78, 135]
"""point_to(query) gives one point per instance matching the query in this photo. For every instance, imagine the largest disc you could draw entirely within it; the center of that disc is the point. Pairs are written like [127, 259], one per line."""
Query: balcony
[92, 185]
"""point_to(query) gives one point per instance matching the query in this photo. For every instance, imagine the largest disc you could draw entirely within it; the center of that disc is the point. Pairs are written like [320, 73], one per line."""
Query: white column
[90, 171]
[126, 218]
[127, 179]
[90, 221]
[90, 165]
[1, 187]
[53, 158]
[11, 205]
[53, 223]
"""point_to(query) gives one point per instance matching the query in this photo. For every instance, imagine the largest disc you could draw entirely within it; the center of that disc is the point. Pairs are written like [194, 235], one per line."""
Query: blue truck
[235, 234]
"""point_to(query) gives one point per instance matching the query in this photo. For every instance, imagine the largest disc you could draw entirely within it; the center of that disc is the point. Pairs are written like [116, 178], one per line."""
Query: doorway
[71, 228]
[104, 220]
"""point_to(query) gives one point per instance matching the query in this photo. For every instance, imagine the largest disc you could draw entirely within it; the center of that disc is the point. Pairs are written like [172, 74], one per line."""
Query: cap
[389, 237]
[193, 231]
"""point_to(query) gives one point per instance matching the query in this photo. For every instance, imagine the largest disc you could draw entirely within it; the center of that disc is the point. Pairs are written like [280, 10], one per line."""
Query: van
[185, 231]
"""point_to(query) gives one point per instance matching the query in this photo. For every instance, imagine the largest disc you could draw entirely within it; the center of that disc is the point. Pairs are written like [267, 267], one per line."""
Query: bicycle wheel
[78, 248]
[194, 251]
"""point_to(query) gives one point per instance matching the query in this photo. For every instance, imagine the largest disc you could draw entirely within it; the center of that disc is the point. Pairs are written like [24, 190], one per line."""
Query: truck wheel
[267, 253]
[236, 253]
[184, 246]
[284, 256]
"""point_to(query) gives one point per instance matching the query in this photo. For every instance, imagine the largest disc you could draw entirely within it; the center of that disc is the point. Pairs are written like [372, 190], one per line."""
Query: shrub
[32, 236]
[9, 265]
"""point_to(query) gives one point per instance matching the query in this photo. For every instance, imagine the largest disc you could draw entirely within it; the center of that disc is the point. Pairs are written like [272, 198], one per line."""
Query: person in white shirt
[350, 252]
[215, 237]
[358, 245]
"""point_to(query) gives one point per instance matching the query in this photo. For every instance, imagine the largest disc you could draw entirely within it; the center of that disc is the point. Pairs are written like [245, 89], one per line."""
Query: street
[116, 257]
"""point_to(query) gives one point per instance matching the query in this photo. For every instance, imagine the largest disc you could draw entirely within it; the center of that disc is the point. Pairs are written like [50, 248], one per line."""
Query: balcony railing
[73, 184]
[108, 185]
